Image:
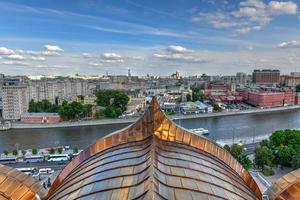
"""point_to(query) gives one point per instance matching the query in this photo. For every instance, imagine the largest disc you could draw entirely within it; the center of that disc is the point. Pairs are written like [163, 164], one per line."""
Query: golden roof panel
[286, 188]
[154, 159]
[16, 185]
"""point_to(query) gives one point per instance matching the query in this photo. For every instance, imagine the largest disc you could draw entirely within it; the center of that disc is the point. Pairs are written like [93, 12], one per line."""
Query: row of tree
[114, 101]
[67, 111]
[34, 151]
[282, 148]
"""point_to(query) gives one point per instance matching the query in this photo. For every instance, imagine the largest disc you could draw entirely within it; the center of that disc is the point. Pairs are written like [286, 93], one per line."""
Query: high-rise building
[241, 78]
[14, 99]
[266, 77]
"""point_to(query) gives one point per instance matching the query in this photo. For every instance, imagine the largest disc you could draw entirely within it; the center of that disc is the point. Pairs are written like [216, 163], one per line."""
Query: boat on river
[200, 131]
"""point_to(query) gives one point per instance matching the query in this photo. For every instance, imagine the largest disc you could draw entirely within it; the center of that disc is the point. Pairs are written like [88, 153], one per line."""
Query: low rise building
[136, 104]
[40, 117]
[268, 98]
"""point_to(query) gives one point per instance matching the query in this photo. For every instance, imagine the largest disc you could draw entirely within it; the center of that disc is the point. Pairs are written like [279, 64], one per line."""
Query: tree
[198, 95]
[246, 162]
[75, 149]
[298, 88]
[59, 150]
[34, 151]
[188, 97]
[23, 152]
[5, 152]
[263, 156]
[51, 151]
[264, 143]
[285, 155]
[238, 152]
[15, 152]
[109, 111]
[113, 98]
[32, 106]
[227, 147]
[296, 161]
[216, 107]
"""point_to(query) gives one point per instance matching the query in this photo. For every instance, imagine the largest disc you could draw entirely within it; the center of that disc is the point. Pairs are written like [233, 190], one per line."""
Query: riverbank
[18, 125]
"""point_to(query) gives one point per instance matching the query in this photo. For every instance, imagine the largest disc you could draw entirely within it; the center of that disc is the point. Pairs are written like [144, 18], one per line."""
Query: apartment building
[14, 99]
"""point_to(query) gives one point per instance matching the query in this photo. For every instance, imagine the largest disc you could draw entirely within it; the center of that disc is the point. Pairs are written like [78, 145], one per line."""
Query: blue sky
[153, 37]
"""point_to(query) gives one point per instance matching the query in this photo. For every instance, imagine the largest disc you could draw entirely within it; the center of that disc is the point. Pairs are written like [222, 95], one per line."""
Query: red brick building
[268, 99]
[40, 118]
[215, 89]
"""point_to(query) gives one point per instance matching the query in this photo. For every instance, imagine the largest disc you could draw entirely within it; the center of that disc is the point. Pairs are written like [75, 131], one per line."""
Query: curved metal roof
[286, 188]
[154, 159]
[16, 185]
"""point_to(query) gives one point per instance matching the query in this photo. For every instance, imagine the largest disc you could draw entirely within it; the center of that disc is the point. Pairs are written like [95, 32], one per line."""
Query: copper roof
[154, 159]
[16, 185]
[286, 188]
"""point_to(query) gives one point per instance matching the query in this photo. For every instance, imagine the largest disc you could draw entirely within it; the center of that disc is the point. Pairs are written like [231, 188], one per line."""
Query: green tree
[59, 150]
[32, 106]
[34, 151]
[284, 155]
[23, 152]
[15, 152]
[263, 156]
[52, 151]
[188, 97]
[264, 143]
[75, 149]
[296, 161]
[87, 109]
[109, 111]
[238, 152]
[246, 162]
[216, 107]
[113, 98]
[5, 152]
[198, 95]
[227, 147]
[298, 88]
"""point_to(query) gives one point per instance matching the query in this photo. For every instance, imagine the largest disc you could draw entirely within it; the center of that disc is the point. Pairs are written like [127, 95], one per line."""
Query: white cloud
[282, 8]
[6, 51]
[10, 62]
[39, 58]
[177, 49]
[95, 64]
[53, 48]
[112, 58]
[15, 57]
[251, 15]
[290, 44]
[178, 53]
[50, 53]
[87, 55]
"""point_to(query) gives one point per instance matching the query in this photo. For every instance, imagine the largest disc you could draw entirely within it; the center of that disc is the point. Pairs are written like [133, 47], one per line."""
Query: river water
[245, 128]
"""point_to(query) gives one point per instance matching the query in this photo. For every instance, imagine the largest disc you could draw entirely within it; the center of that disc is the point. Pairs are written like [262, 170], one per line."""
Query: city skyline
[157, 38]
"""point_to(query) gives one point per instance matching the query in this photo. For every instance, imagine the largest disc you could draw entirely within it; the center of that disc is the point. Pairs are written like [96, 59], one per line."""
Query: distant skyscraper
[266, 77]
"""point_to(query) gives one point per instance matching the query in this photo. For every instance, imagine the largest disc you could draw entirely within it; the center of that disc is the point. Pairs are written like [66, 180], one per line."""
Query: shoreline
[18, 125]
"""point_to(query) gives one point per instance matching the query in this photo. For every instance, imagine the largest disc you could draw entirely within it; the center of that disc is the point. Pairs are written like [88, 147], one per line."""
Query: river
[244, 128]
